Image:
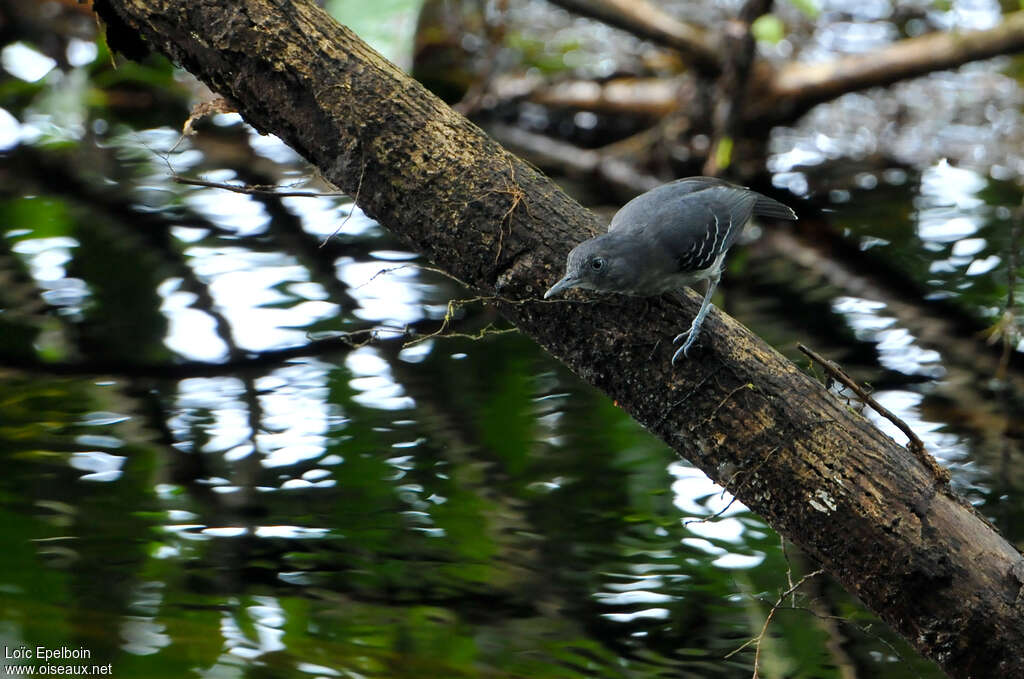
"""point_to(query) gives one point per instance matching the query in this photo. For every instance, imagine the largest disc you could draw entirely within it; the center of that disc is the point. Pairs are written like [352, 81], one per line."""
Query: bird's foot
[690, 336]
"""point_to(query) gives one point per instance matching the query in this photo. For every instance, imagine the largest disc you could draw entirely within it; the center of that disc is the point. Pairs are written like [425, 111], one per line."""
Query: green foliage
[768, 28]
[549, 58]
[723, 152]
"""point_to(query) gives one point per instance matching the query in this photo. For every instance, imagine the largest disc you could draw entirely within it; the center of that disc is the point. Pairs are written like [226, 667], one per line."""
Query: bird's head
[601, 263]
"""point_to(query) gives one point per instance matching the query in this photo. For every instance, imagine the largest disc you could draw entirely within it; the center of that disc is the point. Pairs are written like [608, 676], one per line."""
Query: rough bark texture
[852, 498]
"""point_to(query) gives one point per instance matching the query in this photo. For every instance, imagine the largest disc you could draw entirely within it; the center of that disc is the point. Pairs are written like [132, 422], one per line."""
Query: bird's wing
[703, 225]
[763, 205]
[650, 207]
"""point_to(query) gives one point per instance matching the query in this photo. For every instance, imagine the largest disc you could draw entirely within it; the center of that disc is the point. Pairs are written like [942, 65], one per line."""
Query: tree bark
[853, 499]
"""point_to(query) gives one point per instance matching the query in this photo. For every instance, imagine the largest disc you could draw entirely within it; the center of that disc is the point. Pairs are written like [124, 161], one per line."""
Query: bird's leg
[698, 320]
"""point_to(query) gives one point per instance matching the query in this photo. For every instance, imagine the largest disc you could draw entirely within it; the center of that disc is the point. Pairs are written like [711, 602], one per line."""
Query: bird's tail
[769, 207]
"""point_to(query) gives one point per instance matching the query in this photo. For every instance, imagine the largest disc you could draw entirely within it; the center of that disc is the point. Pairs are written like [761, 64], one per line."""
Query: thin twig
[716, 515]
[254, 189]
[421, 267]
[684, 399]
[518, 196]
[355, 202]
[791, 592]
[789, 569]
[728, 396]
[756, 641]
[736, 487]
[236, 188]
[449, 315]
[914, 444]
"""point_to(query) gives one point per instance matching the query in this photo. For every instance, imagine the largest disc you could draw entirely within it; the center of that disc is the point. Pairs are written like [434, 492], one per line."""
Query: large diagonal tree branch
[823, 476]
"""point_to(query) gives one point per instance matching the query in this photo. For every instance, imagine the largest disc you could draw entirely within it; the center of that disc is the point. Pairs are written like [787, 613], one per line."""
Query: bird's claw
[684, 351]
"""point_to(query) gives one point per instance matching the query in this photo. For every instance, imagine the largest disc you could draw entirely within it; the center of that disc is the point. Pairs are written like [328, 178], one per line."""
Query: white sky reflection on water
[296, 413]
[10, 130]
[269, 146]
[295, 416]
[190, 332]
[944, 446]
[46, 257]
[375, 382]
[25, 63]
[323, 218]
[234, 211]
[255, 292]
[696, 496]
[224, 414]
[269, 301]
[897, 348]
[386, 291]
[101, 466]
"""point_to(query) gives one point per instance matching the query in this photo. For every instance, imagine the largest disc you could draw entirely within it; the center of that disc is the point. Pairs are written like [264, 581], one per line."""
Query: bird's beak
[567, 282]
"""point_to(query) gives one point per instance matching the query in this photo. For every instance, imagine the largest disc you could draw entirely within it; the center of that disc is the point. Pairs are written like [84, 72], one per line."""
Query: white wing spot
[700, 253]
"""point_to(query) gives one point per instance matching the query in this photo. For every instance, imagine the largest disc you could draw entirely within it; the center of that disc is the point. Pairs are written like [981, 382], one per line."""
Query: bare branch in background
[645, 20]
[915, 444]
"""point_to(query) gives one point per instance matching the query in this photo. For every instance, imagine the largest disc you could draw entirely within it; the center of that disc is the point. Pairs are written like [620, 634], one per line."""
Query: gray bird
[672, 236]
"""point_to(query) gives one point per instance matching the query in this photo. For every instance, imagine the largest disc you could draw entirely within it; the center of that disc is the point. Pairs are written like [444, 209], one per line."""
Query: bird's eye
[597, 263]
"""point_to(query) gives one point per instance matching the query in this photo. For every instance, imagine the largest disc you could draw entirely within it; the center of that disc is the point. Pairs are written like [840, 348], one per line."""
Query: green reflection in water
[448, 555]
[487, 516]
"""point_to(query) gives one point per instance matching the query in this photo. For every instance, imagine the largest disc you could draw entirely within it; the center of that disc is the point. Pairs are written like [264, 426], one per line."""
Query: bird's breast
[653, 280]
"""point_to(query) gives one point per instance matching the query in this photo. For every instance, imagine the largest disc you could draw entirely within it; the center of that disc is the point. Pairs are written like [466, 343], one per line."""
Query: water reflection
[191, 332]
[386, 292]
[101, 466]
[713, 517]
[375, 382]
[25, 63]
[384, 474]
[143, 636]
[897, 348]
[441, 508]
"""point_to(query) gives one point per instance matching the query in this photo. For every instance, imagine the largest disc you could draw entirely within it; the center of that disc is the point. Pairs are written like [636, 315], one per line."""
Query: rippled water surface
[250, 436]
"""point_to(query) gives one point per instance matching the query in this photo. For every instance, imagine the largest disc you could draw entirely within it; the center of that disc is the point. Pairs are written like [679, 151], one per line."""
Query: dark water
[232, 448]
